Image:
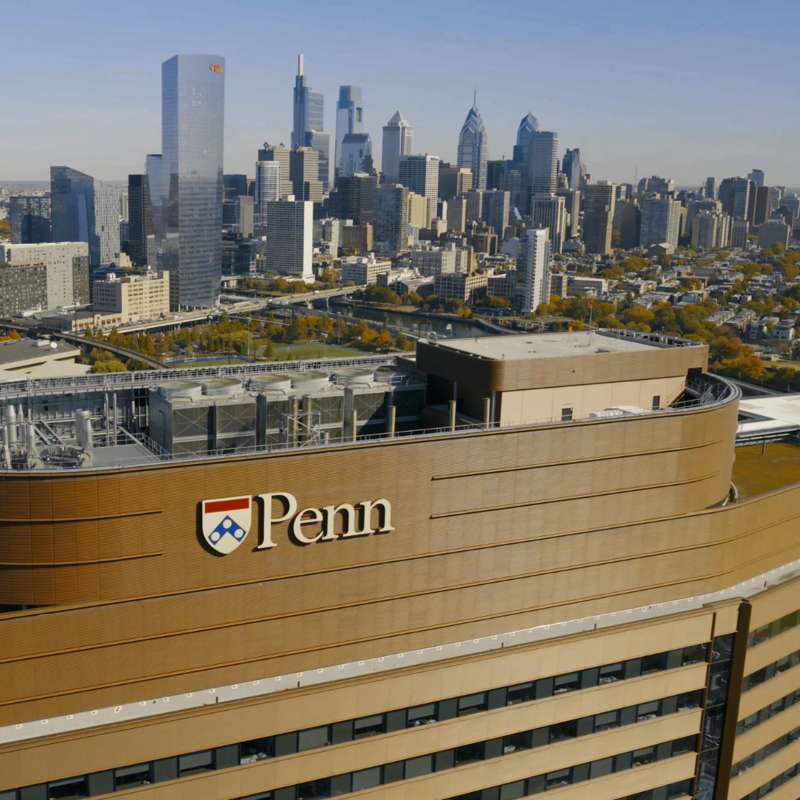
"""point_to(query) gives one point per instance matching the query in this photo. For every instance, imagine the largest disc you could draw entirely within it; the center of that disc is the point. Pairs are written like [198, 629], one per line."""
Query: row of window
[284, 744]
[224, 757]
[775, 783]
[770, 671]
[773, 629]
[673, 790]
[768, 712]
[425, 765]
[765, 752]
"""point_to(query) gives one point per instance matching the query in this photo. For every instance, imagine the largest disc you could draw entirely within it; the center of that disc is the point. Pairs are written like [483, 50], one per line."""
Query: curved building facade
[533, 578]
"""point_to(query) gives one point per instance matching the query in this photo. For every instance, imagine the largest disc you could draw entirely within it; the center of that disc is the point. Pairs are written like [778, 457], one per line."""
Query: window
[469, 753]
[471, 704]
[694, 655]
[656, 402]
[68, 789]
[196, 762]
[128, 777]
[419, 766]
[654, 663]
[521, 693]
[612, 672]
[607, 721]
[566, 415]
[685, 745]
[561, 777]
[421, 715]
[563, 730]
[256, 750]
[369, 726]
[647, 755]
[367, 778]
[517, 741]
[605, 766]
[311, 738]
[570, 682]
[648, 711]
[690, 700]
[314, 789]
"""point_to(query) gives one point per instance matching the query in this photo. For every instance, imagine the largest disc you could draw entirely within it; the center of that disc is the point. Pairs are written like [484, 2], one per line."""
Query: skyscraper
[710, 188]
[757, 176]
[304, 173]
[84, 209]
[494, 211]
[355, 154]
[268, 188]
[571, 167]
[289, 246]
[192, 124]
[308, 130]
[735, 196]
[598, 216]
[29, 216]
[421, 175]
[549, 211]
[140, 220]
[279, 154]
[661, 218]
[544, 162]
[533, 273]
[390, 212]
[473, 147]
[233, 186]
[453, 181]
[398, 140]
[354, 197]
[349, 117]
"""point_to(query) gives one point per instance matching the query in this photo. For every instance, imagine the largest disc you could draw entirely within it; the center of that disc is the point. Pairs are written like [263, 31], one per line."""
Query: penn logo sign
[226, 521]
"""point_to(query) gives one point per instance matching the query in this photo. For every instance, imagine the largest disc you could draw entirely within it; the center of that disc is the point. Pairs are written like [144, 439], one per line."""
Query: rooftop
[19, 352]
[551, 345]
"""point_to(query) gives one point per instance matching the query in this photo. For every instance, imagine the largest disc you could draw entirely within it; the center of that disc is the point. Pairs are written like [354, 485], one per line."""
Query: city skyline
[595, 100]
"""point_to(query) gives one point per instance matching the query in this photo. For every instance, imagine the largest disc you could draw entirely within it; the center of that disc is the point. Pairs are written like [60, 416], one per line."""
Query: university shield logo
[226, 522]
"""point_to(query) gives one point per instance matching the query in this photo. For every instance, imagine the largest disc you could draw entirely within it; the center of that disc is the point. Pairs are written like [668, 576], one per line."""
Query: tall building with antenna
[308, 128]
[473, 145]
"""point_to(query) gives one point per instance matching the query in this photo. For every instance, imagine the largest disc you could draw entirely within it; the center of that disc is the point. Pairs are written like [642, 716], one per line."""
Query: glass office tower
[190, 246]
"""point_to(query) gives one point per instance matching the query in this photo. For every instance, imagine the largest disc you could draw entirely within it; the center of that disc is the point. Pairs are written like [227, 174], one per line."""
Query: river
[409, 321]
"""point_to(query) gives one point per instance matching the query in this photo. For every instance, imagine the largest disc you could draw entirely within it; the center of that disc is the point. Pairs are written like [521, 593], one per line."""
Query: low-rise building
[460, 287]
[434, 261]
[504, 285]
[364, 269]
[357, 237]
[133, 297]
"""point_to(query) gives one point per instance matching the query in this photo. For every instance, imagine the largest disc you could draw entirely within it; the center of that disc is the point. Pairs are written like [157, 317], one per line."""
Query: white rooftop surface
[778, 410]
[545, 345]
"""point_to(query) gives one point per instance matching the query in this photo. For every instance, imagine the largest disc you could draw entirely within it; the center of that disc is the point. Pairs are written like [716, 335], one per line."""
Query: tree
[404, 344]
[5, 229]
[453, 305]
[616, 237]
[381, 294]
[297, 330]
[384, 339]
[268, 350]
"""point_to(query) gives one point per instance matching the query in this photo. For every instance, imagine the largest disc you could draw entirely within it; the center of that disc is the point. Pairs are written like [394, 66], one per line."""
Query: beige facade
[133, 297]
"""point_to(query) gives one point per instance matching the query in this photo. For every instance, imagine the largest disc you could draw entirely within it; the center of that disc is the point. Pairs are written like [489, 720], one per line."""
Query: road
[112, 348]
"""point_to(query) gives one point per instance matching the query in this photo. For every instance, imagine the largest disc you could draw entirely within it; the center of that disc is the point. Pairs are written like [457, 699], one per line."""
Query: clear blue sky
[683, 89]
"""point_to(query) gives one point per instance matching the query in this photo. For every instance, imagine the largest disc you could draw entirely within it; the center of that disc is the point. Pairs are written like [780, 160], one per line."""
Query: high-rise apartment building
[544, 162]
[290, 238]
[354, 197]
[67, 269]
[390, 218]
[572, 205]
[598, 216]
[304, 174]
[763, 207]
[494, 210]
[123, 206]
[533, 270]
[474, 211]
[734, 194]
[421, 175]
[29, 217]
[661, 218]
[349, 118]
[473, 147]
[23, 287]
[356, 154]
[140, 219]
[398, 141]
[549, 211]
[309, 124]
[656, 185]
[757, 176]
[707, 233]
[571, 167]
[84, 209]
[453, 181]
[268, 188]
[773, 231]
[192, 127]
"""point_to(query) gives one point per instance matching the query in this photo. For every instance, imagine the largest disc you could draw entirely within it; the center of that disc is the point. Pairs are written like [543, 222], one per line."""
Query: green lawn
[217, 363]
[310, 351]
